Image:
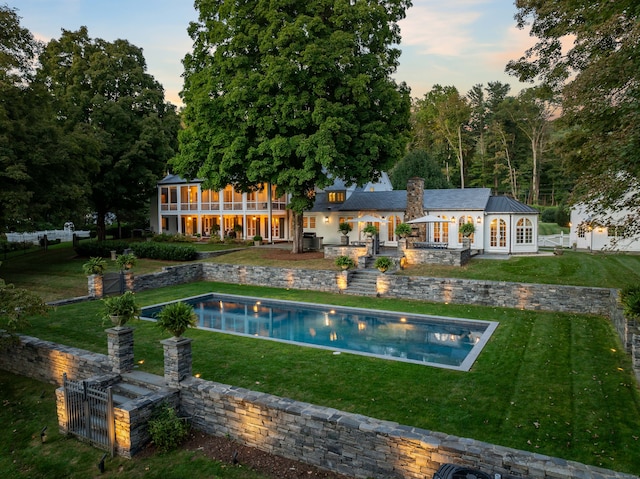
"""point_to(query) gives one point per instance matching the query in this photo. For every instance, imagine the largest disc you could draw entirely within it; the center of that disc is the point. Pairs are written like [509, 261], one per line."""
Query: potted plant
[126, 261]
[176, 318]
[403, 230]
[466, 230]
[95, 265]
[257, 240]
[370, 230]
[344, 262]
[383, 263]
[344, 228]
[121, 309]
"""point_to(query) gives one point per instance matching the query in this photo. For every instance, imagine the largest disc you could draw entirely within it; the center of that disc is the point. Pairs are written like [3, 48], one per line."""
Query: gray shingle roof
[506, 204]
[456, 199]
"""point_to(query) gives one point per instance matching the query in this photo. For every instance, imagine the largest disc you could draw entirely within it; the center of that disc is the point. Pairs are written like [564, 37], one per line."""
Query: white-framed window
[524, 231]
[309, 222]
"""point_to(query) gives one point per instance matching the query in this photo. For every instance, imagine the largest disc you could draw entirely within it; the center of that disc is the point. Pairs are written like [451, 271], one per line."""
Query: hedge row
[169, 252]
[102, 249]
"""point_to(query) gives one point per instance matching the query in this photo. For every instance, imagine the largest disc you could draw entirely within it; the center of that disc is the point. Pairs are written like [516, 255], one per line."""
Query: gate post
[177, 360]
[120, 346]
[95, 285]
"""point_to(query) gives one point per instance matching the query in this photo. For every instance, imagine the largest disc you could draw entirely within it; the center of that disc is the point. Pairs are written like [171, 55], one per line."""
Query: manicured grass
[551, 229]
[28, 406]
[557, 384]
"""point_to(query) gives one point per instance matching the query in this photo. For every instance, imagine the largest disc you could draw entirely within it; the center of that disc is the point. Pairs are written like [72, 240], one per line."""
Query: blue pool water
[430, 340]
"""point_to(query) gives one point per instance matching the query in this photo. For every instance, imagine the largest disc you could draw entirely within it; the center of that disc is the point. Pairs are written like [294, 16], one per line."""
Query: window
[309, 222]
[169, 198]
[524, 231]
[336, 196]
[441, 231]
[582, 229]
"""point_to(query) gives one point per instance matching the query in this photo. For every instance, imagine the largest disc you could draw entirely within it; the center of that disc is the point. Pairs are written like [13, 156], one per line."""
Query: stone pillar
[128, 281]
[95, 286]
[369, 243]
[177, 360]
[120, 346]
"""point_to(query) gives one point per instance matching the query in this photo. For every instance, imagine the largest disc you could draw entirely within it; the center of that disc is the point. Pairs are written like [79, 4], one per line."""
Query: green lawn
[557, 384]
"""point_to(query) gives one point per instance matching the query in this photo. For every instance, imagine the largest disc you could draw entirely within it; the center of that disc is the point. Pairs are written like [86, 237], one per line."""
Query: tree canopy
[294, 94]
[588, 53]
[114, 117]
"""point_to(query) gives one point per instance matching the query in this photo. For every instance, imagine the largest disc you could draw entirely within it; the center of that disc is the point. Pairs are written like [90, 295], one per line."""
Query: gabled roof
[456, 199]
[506, 204]
[364, 200]
[171, 179]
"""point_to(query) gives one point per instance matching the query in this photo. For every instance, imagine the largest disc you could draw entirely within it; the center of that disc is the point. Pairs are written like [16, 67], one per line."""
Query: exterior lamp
[453, 219]
[478, 220]
[326, 219]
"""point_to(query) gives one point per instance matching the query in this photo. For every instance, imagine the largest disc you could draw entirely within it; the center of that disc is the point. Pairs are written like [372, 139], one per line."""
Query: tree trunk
[297, 233]
[102, 233]
[460, 156]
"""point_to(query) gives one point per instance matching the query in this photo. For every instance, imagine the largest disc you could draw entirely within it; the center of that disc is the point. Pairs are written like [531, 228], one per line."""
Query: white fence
[52, 235]
[551, 241]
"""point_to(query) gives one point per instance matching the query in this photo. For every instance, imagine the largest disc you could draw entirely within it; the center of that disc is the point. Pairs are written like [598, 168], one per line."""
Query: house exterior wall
[585, 234]
[185, 208]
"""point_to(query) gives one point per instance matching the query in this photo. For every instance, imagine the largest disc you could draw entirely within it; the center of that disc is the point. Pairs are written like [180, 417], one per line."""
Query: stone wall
[351, 444]
[357, 445]
[47, 362]
[445, 257]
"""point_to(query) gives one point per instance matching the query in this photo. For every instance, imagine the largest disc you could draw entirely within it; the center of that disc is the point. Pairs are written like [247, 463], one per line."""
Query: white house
[503, 225]
[590, 233]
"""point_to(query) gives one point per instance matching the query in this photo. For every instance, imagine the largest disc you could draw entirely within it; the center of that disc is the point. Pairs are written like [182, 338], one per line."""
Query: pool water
[452, 343]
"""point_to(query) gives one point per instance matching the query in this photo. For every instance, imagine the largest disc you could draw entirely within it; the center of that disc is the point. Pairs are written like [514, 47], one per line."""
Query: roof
[175, 180]
[456, 199]
[364, 200]
[506, 204]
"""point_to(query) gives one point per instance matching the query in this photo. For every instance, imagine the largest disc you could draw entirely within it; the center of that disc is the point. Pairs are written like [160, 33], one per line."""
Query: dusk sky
[454, 42]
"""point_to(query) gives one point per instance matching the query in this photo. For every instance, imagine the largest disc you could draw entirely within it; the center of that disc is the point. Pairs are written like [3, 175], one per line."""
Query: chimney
[415, 207]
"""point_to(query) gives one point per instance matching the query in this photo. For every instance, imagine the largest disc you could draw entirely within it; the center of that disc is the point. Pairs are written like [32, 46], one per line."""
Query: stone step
[145, 380]
[131, 391]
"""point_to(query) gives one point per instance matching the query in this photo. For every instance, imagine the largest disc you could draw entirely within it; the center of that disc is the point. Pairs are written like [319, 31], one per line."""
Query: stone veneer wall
[351, 444]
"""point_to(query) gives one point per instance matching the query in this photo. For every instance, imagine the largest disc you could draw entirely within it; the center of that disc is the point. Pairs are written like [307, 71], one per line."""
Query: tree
[588, 51]
[115, 118]
[16, 306]
[447, 114]
[294, 94]
[418, 163]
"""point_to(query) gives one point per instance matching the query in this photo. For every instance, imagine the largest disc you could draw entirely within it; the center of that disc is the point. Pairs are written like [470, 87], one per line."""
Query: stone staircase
[138, 384]
[362, 282]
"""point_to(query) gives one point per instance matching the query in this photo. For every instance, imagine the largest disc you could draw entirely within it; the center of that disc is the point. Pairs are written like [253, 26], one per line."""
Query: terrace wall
[352, 444]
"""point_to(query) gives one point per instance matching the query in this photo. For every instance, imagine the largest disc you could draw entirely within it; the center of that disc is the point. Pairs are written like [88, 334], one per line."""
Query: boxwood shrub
[102, 249]
[164, 251]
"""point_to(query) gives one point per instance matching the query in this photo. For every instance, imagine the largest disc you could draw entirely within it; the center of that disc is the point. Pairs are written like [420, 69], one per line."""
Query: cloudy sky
[446, 42]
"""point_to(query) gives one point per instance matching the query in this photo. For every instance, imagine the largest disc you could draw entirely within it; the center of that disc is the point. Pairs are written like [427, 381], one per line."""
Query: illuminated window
[524, 231]
[309, 222]
[498, 233]
[336, 196]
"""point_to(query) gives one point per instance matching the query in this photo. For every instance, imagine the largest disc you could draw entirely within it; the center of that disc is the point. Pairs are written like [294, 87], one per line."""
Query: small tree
[16, 306]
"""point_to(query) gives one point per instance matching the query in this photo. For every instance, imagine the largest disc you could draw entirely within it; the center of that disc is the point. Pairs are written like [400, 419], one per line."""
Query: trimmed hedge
[102, 249]
[164, 251]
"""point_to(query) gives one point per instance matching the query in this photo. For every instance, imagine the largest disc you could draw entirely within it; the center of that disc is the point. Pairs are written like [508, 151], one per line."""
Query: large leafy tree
[114, 117]
[446, 114]
[294, 94]
[589, 52]
[418, 163]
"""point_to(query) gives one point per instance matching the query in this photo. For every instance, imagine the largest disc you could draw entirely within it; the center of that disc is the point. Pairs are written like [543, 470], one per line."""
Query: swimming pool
[452, 343]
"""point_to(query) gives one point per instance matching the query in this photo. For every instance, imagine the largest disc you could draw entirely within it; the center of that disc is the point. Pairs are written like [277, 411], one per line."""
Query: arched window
[524, 231]
[498, 233]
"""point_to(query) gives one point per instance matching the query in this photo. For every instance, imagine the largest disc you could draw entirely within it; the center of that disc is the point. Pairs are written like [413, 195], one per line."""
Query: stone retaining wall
[352, 444]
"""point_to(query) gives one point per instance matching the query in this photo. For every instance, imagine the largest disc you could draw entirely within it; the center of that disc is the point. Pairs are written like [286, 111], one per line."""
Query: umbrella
[367, 219]
[428, 219]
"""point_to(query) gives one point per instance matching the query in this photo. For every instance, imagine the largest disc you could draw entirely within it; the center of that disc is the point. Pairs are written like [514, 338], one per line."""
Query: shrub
[345, 228]
[126, 261]
[176, 318]
[383, 263]
[630, 297]
[549, 215]
[166, 429]
[95, 265]
[123, 306]
[87, 249]
[344, 262]
[163, 251]
[257, 238]
[403, 230]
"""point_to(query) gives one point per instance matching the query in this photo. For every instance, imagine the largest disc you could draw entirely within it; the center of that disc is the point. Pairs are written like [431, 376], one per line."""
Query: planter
[344, 239]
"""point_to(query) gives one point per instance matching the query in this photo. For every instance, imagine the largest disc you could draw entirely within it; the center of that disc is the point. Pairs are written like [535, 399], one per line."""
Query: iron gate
[90, 413]
[112, 283]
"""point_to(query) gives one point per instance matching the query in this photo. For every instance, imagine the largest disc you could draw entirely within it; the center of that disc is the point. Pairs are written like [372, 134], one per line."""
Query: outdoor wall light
[326, 219]
[478, 220]
[453, 219]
